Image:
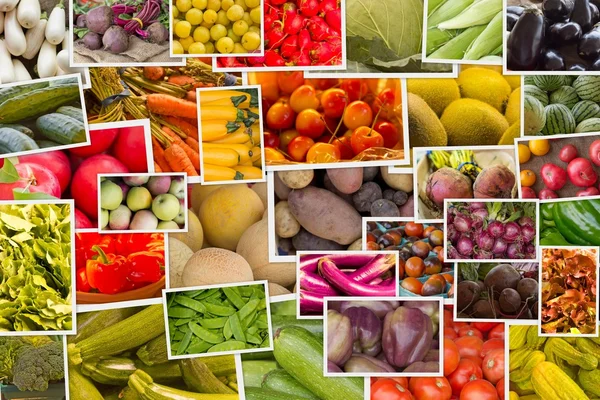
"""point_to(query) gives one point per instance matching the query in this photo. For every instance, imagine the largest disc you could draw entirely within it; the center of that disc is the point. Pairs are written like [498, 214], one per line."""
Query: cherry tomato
[280, 115]
[430, 388]
[484, 326]
[265, 105]
[344, 146]
[389, 389]
[469, 345]
[497, 332]
[385, 102]
[271, 139]
[358, 114]
[364, 138]
[272, 154]
[310, 123]
[289, 81]
[334, 101]
[479, 390]
[304, 97]
[451, 356]
[286, 137]
[469, 331]
[466, 371]
[500, 388]
[389, 133]
[493, 366]
[298, 148]
[323, 153]
[413, 229]
[356, 89]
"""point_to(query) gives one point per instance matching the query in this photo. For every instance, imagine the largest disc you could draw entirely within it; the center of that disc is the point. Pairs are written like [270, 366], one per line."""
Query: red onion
[477, 206]
[499, 247]
[515, 251]
[496, 229]
[526, 221]
[485, 241]
[452, 234]
[480, 214]
[483, 255]
[464, 246]
[453, 254]
[462, 223]
[512, 231]
[527, 233]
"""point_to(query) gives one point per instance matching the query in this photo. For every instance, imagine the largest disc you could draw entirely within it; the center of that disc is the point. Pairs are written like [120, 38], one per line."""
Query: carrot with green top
[164, 104]
[178, 160]
[157, 167]
[193, 154]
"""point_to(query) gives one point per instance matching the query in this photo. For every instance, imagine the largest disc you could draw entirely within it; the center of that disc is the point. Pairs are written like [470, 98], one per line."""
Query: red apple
[567, 153]
[130, 148]
[547, 194]
[554, 177]
[82, 221]
[84, 186]
[35, 178]
[56, 161]
[581, 172]
[528, 193]
[594, 152]
[100, 140]
[591, 191]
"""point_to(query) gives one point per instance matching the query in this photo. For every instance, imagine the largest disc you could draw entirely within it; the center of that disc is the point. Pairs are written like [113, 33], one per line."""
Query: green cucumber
[37, 102]
[253, 393]
[20, 128]
[73, 112]
[312, 325]
[558, 120]
[13, 141]
[254, 371]
[13, 91]
[280, 381]
[300, 353]
[588, 87]
[61, 128]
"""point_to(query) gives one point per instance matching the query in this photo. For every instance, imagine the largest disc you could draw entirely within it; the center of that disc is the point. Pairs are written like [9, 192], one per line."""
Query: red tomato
[310, 123]
[484, 326]
[476, 359]
[430, 388]
[469, 345]
[304, 97]
[334, 101]
[493, 365]
[364, 138]
[298, 148]
[479, 390]
[470, 331]
[458, 325]
[451, 356]
[389, 132]
[280, 115]
[356, 89]
[490, 345]
[345, 148]
[500, 388]
[497, 332]
[450, 333]
[358, 113]
[323, 153]
[389, 389]
[466, 371]
[448, 318]
[130, 148]
[286, 137]
[100, 140]
[289, 81]
[403, 381]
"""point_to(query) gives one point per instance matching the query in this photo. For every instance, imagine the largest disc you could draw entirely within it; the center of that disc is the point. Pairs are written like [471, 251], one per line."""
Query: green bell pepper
[578, 221]
[552, 237]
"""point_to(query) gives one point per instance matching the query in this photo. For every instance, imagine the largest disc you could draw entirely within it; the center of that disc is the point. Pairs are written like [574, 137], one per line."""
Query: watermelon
[541, 95]
[589, 125]
[558, 120]
[528, 80]
[535, 118]
[549, 83]
[588, 87]
[566, 95]
[585, 109]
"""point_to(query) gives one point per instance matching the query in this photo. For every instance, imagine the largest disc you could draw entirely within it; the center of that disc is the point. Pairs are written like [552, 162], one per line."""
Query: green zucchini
[124, 335]
[80, 387]
[312, 325]
[154, 352]
[280, 381]
[116, 370]
[37, 102]
[20, 128]
[10, 92]
[61, 128]
[300, 353]
[198, 377]
[73, 112]
[13, 141]
[255, 371]
[91, 322]
[220, 365]
[128, 394]
[253, 393]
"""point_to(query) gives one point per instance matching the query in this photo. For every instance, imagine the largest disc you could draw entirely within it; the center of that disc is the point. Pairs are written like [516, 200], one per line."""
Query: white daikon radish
[13, 34]
[7, 72]
[34, 38]
[55, 29]
[46, 62]
[21, 73]
[29, 13]
[7, 5]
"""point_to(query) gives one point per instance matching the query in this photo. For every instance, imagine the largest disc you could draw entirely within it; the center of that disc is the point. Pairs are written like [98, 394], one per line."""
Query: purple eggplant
[582, 15]
[516, 10]
[526, 41]
[552, 60]
[565, 33]
[557, 10]
[339, 337]
[364, 363]
[511, 20]
[577, 67]
[589, 45]
[407, 336]
[595, 13]
[366, 328]
[380, 308]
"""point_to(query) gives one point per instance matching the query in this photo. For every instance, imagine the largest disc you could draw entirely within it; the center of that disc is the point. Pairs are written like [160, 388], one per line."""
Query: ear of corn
[487, 41]
[480, 12]
[446, 11]
[436, 38]
[455, 49]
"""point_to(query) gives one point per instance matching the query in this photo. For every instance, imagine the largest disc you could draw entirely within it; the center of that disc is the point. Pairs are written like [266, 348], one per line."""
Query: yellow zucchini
[229, 113]
[218, 173]
[225, 97]
[243, 151]
[240, 136]
[249, 172]
[223, 157]
[220, 129]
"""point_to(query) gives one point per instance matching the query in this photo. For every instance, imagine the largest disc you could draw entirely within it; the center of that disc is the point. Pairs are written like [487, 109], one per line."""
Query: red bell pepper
[145, 266]
[82, 283]
[107, 273]
[84, 243]
[128, 243]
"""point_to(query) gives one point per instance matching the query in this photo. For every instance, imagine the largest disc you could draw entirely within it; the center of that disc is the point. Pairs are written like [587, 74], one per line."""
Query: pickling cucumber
[37, 102]
[70, 111]
[61, 128]
[13, 141]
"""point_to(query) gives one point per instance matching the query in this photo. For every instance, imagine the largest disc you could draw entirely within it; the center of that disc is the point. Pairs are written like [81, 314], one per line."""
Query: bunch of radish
[297, 33]
[31, 35]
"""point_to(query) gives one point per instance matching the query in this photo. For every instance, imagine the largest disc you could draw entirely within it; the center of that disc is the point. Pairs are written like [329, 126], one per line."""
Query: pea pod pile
[218, 319]
[574, 222]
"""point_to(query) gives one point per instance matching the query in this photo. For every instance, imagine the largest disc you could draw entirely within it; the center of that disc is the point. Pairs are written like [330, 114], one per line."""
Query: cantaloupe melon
[194, 237]
[261, 190]
[485, 85]
[213, 266]
[277, 290]
[200, 193]
[227, 212]
[437, 93]
[424, 126]
[513, 108]
[254, 248]
[470, 122]
[179, 254]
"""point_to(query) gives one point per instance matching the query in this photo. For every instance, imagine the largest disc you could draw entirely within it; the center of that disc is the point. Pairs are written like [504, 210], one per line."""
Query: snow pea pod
[213, 323]
[227, 330]
[236, 328]
[216, 309]
[234, 297]
[184, 343]
[229, 345]
[181, 312]
[205, 334]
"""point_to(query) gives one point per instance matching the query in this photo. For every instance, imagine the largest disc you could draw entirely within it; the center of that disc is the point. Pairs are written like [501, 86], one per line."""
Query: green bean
[205, 334]
[229, 345]
[219, 310]
[180, 312]
[234, 297]
[184, 343]
[213, 323]
[236, 328]
[190, 303]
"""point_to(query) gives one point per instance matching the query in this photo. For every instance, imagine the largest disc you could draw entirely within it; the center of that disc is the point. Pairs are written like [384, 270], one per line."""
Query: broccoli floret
[36, 366]
[10, 348]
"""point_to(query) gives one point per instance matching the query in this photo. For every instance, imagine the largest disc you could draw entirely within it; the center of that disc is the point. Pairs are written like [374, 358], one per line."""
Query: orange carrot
[154, 73]
[193, 143]
[178, 160]
[159, 156]
[191, 153]
[181, 80]
[164, 104]
[186, 127]
[191, 96]
[157, 167]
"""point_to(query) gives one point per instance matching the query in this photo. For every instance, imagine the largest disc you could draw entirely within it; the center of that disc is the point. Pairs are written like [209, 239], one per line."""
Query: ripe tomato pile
[329, 120]
[473, 367]
[297, 33]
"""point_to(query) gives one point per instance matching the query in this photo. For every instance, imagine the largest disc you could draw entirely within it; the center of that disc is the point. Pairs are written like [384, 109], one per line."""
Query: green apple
[139, 198]
[103, 218]
[143, 220]
[167, 225]
[177, 188]
[165, 206]
[119, 218]
[135, 180]
[111, 195]
[180, 218]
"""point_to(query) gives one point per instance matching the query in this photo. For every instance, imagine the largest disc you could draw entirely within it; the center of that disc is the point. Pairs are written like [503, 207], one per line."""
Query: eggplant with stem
[526, 40]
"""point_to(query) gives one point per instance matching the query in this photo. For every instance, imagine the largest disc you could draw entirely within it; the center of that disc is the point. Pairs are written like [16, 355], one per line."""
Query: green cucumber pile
[556, 104]
[218, 320]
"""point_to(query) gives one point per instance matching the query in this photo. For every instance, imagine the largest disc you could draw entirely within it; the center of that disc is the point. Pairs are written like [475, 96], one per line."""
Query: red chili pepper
[82, 283]
[107, 273]
[145, 266]
[128, 243]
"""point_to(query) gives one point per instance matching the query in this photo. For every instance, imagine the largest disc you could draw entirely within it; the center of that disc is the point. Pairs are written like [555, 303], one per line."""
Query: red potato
[567, 153]
[100, 140]
[581, 172]
[591, 191]
[55, 161]
[346, 180]
[130, 148]
[528, 193]
[553, 176]
[82, 221]
[36, 178]
[594, 152]
[547, 194]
